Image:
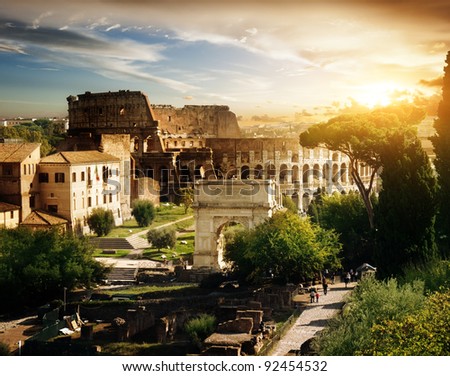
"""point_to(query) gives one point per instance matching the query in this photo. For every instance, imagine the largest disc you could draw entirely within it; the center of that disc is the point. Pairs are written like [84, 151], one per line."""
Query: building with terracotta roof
[18, 183]
[40, 220]
[73, 183]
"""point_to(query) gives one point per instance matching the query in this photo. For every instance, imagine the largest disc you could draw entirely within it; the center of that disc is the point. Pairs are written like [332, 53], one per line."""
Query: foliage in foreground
[371, 303]
[37, 265]
[424, 332]
[199, 328]
[286, 246]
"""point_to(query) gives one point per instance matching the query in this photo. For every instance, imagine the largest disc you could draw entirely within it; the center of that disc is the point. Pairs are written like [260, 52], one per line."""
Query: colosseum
[165, 148]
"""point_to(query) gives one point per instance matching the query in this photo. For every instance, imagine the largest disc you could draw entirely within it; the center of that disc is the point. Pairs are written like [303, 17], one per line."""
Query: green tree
[187, 198]
[346, 214]
[101, 221]
[287, 246]
[144, 212]
[406, 210]
[359, 136]
[441, 143]
[162, 238]
[38, 265]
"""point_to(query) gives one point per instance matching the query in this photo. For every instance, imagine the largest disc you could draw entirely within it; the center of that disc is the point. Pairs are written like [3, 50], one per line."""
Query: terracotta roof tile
[79, 157]
[10, 153]
[39, 217]
[4, 207]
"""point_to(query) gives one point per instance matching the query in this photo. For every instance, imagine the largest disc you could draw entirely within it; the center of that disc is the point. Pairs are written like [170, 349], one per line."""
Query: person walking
[347, 279]
[325, 285]
[312, 295]
[317, 296]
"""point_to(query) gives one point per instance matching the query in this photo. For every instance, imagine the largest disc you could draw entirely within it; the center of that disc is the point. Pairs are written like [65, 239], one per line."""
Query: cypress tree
[441, 143]
[406, 209]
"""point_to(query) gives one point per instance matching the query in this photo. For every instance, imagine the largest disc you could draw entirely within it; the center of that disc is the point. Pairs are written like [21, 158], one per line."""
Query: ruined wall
[211, 121]
[111, 110]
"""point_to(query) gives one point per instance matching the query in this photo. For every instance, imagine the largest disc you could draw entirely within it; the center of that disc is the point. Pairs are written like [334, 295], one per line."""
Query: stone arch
[295, 174]
[258, 172]
[284, 173]
[317, 174]
[271, 171]
[306, 173]
[217, 203]
[245, 172]
[344, 173]
[335, 175]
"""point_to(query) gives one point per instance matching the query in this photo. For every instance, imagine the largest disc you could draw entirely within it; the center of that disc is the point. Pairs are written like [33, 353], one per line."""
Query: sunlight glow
[378, 94]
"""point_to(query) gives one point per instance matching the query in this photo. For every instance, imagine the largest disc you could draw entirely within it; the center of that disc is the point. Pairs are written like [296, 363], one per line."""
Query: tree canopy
[144, 212]
[406, 209]
[36, 266]
[360, 137]
[346, 214]
[101, 221]
[441, 143]
[286, 246]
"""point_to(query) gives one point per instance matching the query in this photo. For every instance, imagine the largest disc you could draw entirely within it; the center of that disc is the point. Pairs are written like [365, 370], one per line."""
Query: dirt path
[313, 319]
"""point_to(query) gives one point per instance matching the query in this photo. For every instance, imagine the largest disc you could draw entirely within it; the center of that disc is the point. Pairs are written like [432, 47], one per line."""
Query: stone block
[239, 325]
[256, 315]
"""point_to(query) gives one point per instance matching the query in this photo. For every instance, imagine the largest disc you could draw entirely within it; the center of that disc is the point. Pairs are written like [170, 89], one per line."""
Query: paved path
[313, 319]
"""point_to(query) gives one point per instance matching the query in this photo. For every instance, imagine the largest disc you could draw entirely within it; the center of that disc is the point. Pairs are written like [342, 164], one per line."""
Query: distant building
[73, 183]
[9, 215]
[18, 182]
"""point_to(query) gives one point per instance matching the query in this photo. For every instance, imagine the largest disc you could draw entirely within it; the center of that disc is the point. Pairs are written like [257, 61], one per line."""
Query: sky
[264, 59]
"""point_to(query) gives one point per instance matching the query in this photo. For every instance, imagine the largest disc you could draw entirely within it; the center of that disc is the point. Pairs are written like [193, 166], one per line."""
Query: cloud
[113, 27]
[436, 82]
[268, 119]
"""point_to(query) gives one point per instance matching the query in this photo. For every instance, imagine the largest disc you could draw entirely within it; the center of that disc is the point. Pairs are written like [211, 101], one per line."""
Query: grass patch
[164, 214]
[180, 251]
[146, 290]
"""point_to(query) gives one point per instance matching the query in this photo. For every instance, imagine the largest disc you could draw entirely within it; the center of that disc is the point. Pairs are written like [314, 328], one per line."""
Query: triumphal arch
[220, 202]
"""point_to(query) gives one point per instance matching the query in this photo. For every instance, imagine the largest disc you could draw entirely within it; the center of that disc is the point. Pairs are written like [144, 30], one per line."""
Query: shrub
[144, 212]
[200, 328]
[371, 303]
[162, 238]
[101, 221]
[424, 333]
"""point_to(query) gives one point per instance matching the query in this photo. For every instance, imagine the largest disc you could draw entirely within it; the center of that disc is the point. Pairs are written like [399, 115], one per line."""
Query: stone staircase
[137, 242]
[111, 243]
[122, 275]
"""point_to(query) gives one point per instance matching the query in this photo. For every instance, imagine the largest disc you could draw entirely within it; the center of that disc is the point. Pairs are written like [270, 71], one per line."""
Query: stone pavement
[313, 318]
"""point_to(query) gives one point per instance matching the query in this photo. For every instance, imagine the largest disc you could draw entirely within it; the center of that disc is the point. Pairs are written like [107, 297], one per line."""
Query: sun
[379, 94]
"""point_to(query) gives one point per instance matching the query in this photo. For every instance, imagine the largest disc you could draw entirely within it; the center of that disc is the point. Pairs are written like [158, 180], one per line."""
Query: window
[7, 169]
[83, 178]
[59, 177]
[74, 177]
[104, 199]
[24, 169]
[52, 208]
[32, 202]
[110, 197]
[89, 202]
[12, 215]
[43, 177]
